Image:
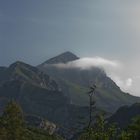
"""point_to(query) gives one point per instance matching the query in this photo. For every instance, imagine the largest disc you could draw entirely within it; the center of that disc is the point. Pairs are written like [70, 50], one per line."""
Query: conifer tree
[12, 122]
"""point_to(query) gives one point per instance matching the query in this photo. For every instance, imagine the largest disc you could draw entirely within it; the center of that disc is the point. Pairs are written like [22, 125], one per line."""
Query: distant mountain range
[59, 94]
[75, 84]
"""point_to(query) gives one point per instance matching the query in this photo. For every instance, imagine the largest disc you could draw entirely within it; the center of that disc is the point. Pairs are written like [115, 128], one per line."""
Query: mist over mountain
[75, 77]
[113, 68]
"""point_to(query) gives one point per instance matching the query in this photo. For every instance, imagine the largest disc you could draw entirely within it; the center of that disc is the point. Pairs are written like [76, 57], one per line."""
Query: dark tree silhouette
[91, 103]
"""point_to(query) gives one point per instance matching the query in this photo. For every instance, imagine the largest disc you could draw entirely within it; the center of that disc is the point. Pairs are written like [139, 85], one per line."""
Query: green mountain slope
[124, 115]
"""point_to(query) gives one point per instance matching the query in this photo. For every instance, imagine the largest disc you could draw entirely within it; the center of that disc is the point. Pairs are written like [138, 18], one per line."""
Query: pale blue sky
[34, 30]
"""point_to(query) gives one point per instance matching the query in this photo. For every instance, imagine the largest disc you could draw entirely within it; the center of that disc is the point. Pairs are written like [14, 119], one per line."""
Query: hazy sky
[34, 30]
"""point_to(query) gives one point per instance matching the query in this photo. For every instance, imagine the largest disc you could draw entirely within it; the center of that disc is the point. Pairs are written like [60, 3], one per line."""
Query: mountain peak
[17, 63]
[62, 58]
[67, 53]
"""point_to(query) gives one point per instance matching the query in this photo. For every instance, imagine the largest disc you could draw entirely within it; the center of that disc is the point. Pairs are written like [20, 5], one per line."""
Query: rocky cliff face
[48, 126]
[25, 73]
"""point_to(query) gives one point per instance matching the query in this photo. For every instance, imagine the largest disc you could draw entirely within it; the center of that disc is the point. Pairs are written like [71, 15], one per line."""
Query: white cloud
[124, 84]
[129, 82]
[87, 63]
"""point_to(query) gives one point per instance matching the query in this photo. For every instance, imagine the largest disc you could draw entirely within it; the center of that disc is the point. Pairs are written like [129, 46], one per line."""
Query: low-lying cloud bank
[114, 69]
[88, 63]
